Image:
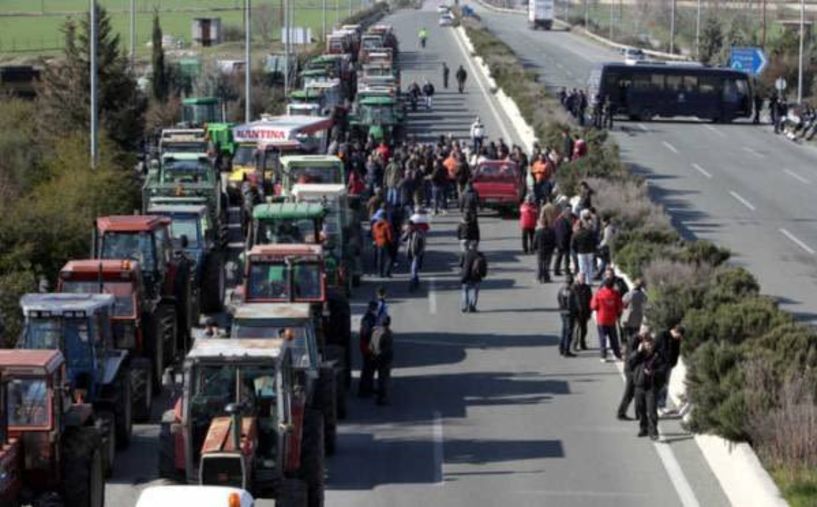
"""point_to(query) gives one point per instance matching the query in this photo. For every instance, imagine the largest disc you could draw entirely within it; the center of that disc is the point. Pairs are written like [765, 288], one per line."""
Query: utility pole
[132, 33]
[337, 12]
[247, 62]
[94, 105]
[287, 34]
[698, 32]
[323, 18]
[350, 7]
[802, 43]
[587, 15]
[763, 26]
[612, 6]
[672, 29]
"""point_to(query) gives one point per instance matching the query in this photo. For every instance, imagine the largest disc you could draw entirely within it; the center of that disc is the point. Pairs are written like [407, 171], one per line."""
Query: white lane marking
[742, 200]
[478, 79]
[676, 475]
[753, 152]
[438, 448]
[590, 494]
[797, 176]
[670, 147]
[432, 296]
[239, 245]
[702, 170]
[234, 226]
[643, 127]
[797, 241]
[234, 208]
[713, 129]
[671, 465]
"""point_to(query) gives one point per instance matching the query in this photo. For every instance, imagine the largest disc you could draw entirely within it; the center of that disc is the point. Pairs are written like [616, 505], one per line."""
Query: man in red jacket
[528, 214]
[608, 307]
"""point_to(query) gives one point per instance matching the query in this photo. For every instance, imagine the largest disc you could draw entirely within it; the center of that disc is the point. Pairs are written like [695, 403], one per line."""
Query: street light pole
[586, 15]
[612, 5]
[672, 29]
[94, 105]
[132, 32]
[698, 32]
[287, 34]
[247, 62]
[323, 18]
[802, 43]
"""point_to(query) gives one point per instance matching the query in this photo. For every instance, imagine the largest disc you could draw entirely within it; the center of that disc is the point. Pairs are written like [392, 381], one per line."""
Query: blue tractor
[79, 325]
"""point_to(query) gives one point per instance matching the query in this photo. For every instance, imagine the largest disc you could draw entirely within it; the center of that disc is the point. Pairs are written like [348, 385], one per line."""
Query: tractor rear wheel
[212, 284]
[105, 424]
[312, 457]
[83, 483]
[292, 493]
[154, 347]
[170, 334]
[123, 409]
[327, 403]
[141, 375]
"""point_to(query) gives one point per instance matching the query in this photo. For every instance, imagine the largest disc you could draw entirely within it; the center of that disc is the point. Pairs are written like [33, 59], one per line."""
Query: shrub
[12, 286]
[730, 285]
[703, 252]
[633, 256]
[715, 388]
[749, 317]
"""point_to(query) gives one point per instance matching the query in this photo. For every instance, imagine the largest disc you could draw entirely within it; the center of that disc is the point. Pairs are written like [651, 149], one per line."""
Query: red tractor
[166, 273]
[50, 450]
[136, 327]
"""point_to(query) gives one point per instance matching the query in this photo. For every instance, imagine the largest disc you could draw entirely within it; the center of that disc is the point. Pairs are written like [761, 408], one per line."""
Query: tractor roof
[377, 101]
[178, 209]
[289, 211]
[259, 311]
[185, 200]
[200, 101]
[65, 302]
[318, 190]
[286, 249]
[184, 156]
[38, 361]
[311, 159]
[131, 223]
[106, 266]
[220, 348]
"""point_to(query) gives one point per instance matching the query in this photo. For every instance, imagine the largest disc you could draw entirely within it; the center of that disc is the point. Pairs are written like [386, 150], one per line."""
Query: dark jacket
[567, 301]
[468, 230]
[382, 344]
[646, 368]
[564, 232]
[469, 201]
[584, 294]
[669, 348]
[466, 262]
[544, 241]
[584, 241]
[367, 323]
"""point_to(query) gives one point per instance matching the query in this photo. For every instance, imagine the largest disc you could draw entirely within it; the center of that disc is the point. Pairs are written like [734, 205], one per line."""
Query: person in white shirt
[477, 134]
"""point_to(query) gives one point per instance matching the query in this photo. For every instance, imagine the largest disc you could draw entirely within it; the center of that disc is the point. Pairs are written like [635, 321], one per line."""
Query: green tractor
[208, 113]
[381, 117]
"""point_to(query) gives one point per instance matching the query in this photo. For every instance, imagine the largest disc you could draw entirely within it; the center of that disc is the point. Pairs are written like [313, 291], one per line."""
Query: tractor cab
[78, 325]
[283, 273]
[183, 140]
[238, 422]
[200, 111]
[311, 169]
[287, 222]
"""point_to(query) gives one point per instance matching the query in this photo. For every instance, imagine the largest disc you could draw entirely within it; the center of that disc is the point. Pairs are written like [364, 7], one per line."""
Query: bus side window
[674, 83]
[708, 85]
[691, 84]
[641, 82]
[657, 82]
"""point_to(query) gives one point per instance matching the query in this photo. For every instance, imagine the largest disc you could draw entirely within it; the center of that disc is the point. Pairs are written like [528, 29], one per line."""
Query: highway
[738, 185]
[484, 410]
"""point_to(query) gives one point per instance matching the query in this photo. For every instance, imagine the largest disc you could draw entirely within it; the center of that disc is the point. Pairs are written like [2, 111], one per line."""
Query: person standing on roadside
[367, 325]
[446, 73]
[635, 302]
[477, 134]
[469, 200]
[461, 77]
[563, 228]
[605, 250]
[544, 242]
[428, 93]
[668, 344]
[629, 386]
[474, 269]
[383, 238]
[607, 305]
[567, 145]
[468, 232]
[382, 349]
[584, 244]
[645, 363]
[415, 237]
[584, 296]
[527, 223]
[569, 311]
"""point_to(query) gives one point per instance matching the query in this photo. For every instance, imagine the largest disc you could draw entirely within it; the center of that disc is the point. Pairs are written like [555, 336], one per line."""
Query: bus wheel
[646, 115]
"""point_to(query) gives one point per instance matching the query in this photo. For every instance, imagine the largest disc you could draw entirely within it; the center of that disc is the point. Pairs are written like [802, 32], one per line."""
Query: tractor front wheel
[312, 457]
[83, 481]
[141, 375]
[123, 409]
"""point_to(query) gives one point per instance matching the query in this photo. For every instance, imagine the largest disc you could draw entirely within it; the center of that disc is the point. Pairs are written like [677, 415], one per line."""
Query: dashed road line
[670, 147]
[702, 170]
[742, 200]
[797, 177]
[753, 152]
[432, 296]
[643, 127]
[438, 448]
[713, 129]
[797, 241]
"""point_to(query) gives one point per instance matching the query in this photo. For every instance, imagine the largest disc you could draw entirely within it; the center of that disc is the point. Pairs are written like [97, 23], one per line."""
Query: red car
[499, 184]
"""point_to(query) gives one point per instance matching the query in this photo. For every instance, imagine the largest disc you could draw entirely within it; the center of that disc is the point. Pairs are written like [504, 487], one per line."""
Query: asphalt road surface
[484, 410]
[738, 185]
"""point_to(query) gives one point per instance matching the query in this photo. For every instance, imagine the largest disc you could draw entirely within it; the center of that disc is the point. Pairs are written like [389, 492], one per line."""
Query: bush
[715, 389]
[730, 285]
[12, 286]
[749, 317]
[703, 252]
[635, 255]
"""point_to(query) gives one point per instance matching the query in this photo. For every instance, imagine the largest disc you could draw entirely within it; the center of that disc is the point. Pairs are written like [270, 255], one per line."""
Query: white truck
[540, 14]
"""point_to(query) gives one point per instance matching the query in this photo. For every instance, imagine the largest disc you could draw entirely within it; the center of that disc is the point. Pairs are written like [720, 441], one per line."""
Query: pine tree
[711, 40]
[160, 78]
[64, 96]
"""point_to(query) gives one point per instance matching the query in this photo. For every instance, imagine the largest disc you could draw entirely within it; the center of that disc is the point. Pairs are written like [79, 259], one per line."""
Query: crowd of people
[577, 103]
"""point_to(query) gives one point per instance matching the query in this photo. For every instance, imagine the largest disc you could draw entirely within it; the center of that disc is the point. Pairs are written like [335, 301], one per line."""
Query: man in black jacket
[473, 270]
[382, 348]
[569, 310]
[646, 364]
[544, 241]
[668, 344]
[367, 326]
[584, 295]
[468, 232]
[564, 233]
[469, 201]
[633, 341]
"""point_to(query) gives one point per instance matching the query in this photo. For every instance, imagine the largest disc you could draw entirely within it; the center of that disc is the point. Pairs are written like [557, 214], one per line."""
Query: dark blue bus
[646, 90]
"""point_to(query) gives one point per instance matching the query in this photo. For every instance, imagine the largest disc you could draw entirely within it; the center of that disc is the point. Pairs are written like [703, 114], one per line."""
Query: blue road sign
[748, 59]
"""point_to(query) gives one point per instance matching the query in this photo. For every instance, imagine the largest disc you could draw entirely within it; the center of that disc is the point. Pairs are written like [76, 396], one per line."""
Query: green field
[33, 32]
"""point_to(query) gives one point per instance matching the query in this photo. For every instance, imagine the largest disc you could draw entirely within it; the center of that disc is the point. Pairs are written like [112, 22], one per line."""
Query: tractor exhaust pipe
[94, 240]
[234, 411]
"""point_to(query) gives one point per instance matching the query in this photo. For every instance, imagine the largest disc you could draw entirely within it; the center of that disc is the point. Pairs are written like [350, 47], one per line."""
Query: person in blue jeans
[569, 311]
[474, 268]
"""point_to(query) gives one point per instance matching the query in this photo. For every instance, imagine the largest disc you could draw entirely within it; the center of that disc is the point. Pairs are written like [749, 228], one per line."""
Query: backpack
[417, 243]
[479, 267]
